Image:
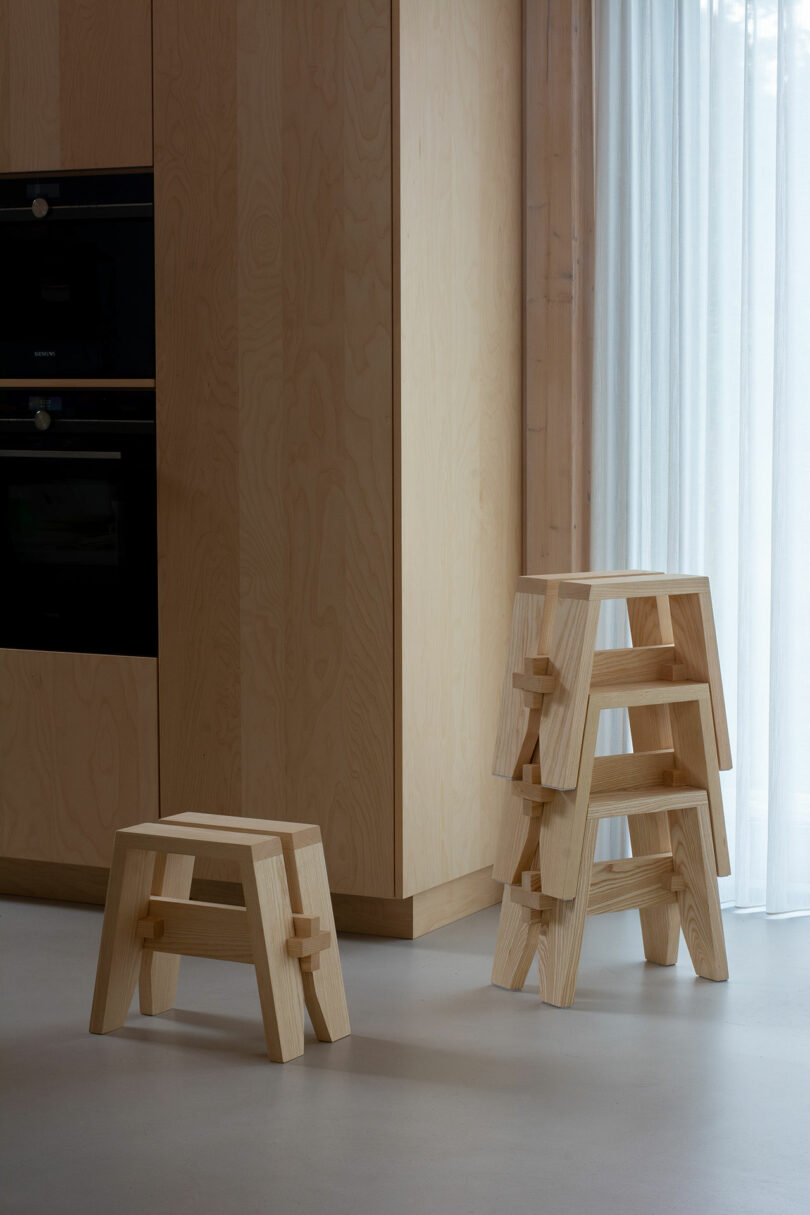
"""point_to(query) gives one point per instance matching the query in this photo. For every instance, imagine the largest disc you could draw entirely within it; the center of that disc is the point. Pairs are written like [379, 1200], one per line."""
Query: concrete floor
[655, 1093]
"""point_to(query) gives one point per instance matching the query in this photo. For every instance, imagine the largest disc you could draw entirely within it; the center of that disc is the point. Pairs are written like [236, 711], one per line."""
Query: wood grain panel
[197, 406]
[337, 295]
[273, 236]
[29, 85]
[265, 539]
[78, 753]
[105, 74]
[460, 419]
[75, 84]
[558, 163]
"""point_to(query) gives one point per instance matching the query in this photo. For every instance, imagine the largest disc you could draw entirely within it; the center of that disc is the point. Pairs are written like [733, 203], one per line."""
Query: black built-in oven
[77, 275]
[78, 520]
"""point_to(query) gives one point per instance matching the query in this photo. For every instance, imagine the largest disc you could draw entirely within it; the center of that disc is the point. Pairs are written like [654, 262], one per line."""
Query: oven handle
[60, 455]
[18, 215]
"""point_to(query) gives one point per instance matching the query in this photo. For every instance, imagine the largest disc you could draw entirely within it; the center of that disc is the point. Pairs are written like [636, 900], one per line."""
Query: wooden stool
[669, 788]
[286, 928]
[673, 884]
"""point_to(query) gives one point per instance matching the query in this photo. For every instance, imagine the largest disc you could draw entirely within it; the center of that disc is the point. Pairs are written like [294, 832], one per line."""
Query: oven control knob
[40, 208]
[42, 419]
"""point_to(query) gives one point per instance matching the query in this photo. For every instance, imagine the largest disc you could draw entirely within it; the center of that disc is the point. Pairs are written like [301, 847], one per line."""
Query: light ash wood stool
[286, 928]
[669, 788]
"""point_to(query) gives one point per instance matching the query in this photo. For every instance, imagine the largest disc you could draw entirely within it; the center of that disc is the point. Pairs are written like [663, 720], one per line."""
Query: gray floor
[655, 1093]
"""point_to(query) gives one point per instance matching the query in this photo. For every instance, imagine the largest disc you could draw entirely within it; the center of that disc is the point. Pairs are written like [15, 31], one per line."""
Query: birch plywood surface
[274, 298]
[78, 753]
[460, 420]
[75, 84]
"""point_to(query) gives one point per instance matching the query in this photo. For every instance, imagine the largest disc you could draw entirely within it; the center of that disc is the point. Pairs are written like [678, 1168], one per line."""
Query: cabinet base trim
[406, 918]
[46, 880]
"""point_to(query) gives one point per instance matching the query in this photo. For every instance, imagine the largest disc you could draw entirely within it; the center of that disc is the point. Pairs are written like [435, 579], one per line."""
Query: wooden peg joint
[539, 684]
[530, 788]
[533, 899]
[674, 777]
[674, 671]
[150, 928]
[677, 882]
[309, 942]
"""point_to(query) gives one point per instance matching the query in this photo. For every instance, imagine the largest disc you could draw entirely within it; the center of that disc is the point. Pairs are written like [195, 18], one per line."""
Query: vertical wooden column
[558, 283]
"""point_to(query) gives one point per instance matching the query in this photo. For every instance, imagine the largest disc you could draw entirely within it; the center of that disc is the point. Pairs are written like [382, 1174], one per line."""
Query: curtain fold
[701, 438]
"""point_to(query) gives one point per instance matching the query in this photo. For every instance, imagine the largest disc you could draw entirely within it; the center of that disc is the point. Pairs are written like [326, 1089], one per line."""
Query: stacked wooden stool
[286, 928]
[669, 787]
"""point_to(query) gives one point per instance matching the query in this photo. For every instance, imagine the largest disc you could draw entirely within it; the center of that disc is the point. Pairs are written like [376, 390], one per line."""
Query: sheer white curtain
[701, 459]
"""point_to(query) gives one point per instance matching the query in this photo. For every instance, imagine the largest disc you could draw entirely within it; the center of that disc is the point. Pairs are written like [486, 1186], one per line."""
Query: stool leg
[696, 646]
[517, 841]
[693, 859]
[120, 950]
[660, 926]
[157, 987]
[561, 933]
[324, 994]
[696, 755]
[563, 720]
[516, 946]
[651, 624]
[278, 975]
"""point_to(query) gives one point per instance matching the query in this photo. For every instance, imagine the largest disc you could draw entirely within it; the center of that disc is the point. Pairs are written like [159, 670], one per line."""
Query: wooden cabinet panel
[274, 357]
[78, 753]
[75, 84]
[460, 419]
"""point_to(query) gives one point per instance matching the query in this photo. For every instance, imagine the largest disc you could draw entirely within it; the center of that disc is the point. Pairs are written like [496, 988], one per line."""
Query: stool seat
[182, 840]
[286, 929]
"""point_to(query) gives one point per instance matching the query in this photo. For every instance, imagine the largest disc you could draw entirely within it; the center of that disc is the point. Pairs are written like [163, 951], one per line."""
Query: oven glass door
[78, 545]
[76, 299]
[78, 282]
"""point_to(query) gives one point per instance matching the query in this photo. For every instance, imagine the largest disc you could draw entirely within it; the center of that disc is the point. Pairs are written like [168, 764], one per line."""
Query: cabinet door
[75, 84]
[275, 473]
[78, 753]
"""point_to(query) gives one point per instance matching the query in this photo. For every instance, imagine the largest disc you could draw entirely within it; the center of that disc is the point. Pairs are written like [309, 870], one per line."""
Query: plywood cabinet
[338, 242]
[75, 84]
[78, 753]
